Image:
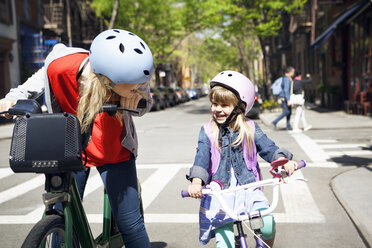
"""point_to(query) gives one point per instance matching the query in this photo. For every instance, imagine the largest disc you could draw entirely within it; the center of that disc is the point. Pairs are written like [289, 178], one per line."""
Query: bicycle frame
[74, 215]
[275, 182]
[253, 216]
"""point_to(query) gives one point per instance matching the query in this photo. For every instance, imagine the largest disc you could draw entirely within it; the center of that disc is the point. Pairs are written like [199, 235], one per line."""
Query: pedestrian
[298, 89]
[227, 153]
[118, 66]
[284, 97]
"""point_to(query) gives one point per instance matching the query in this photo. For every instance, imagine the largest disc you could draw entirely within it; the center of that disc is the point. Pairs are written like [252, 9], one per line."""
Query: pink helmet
[239, 84]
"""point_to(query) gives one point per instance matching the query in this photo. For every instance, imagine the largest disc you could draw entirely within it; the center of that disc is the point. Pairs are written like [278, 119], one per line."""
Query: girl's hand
[5, 104]
[195, 188]
[130, 103]
[290, 167]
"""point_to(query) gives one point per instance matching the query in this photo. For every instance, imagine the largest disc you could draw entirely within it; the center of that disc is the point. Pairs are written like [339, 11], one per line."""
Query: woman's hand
[130, 103]
[290, 167]
[5, 104]
[195, 188]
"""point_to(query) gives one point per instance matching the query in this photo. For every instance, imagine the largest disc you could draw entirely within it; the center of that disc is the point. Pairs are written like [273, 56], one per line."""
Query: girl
[227, 152]
[78, 81]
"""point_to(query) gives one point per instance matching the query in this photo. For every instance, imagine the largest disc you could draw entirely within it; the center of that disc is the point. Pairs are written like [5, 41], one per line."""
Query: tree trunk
[68, 20]
[115, 10]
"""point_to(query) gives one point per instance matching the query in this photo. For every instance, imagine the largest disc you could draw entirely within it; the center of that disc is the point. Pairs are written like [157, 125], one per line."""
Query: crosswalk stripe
[319, 141]
[22, 188]
[342, 146]
[4, 172]
[311, 148]
[349, 153]
[153, 185]
[299, 204]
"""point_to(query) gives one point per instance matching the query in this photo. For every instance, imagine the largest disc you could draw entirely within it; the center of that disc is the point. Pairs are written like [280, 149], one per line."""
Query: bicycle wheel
[49, 232]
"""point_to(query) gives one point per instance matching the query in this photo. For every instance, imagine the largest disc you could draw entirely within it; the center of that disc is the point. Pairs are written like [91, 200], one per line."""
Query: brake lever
[112, 108]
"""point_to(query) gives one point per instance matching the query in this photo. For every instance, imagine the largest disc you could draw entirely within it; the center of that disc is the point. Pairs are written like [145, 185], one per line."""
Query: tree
[233, 27]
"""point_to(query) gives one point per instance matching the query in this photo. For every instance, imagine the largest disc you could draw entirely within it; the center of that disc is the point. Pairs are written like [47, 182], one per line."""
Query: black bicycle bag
[46, 143]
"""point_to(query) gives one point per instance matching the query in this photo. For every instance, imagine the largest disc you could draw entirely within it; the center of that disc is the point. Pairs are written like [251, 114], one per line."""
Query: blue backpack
[277, 87]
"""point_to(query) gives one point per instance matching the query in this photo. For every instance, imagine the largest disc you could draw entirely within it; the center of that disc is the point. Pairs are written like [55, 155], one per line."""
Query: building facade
[30, 28]
[332, 41]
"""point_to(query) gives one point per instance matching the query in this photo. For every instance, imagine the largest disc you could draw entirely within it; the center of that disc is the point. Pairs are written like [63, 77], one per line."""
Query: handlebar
[275, 182]
[112, 108]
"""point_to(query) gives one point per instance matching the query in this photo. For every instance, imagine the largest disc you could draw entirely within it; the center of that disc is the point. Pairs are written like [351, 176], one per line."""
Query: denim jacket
[232, 157]
[286, 85]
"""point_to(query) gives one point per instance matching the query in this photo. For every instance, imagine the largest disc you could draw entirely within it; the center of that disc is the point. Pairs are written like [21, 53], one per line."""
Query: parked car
[192, 94]
[170, 95]
[158, 99]
[182, 95]
[254, 113]
[174, 96]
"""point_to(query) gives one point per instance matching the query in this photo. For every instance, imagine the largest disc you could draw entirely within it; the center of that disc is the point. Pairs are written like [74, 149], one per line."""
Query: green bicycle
[59, 135]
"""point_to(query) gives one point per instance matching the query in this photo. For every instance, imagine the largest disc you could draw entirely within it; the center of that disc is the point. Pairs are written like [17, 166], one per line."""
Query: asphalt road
[308, 214]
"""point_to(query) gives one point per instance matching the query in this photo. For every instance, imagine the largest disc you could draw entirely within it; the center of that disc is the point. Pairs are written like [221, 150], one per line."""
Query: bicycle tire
[43, 231]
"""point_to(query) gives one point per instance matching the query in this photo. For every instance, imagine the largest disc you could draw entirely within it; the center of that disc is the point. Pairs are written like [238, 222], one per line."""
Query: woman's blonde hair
[93, 95]
[220, 94]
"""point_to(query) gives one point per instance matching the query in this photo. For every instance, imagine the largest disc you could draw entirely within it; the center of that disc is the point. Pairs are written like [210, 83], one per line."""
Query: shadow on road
[158, 244]
[199, 111]
[353, 161]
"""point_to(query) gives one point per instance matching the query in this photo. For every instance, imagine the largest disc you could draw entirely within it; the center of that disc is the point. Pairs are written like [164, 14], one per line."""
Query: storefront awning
[329, 31]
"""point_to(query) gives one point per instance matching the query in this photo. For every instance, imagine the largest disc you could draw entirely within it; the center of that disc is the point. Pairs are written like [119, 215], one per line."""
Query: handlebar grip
[301, 164]
[184, 193]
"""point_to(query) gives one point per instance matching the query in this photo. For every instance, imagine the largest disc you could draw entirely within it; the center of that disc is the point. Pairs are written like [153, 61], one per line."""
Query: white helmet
[121, 56]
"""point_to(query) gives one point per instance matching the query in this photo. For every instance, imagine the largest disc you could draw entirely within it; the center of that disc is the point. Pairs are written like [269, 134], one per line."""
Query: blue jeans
[120, 181]
[287, 111]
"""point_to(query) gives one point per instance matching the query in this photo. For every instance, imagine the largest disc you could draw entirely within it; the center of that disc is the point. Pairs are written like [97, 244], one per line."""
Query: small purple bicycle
[254, 218]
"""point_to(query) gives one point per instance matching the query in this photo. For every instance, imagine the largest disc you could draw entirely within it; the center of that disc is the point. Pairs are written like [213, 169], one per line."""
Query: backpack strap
[249, 159]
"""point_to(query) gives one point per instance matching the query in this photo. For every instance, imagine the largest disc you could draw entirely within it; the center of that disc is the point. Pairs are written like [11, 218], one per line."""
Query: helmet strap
[109, 86]
[227, 122]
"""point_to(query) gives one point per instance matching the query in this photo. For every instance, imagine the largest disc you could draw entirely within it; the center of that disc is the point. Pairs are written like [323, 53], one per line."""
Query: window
[6, 12]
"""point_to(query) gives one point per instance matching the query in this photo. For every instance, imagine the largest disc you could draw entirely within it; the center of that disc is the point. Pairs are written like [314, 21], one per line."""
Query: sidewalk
[352, 188]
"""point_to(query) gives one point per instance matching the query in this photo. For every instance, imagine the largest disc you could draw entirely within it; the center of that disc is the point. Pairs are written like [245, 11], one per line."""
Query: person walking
[284, 97]
[298, 89]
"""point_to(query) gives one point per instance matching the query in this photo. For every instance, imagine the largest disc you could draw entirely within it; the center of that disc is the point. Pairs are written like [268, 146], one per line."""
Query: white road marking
[22, 188]
[299, 205]
[153, 185]
[349, 153]
[298, 202]
[325, 141]
[342, 146]
[164, 173]
[4, 172]
[165, 165]
[312, 149]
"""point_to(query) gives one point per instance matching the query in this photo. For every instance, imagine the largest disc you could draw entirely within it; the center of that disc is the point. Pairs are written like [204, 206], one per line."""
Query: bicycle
[62, 157]
[254, 217]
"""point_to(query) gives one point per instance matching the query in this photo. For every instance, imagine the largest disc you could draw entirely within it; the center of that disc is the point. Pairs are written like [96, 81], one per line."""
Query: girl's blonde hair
[239, 123]
[93, 95]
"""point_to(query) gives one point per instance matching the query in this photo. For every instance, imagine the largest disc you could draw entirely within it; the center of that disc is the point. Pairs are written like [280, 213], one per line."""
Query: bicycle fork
[241, 235]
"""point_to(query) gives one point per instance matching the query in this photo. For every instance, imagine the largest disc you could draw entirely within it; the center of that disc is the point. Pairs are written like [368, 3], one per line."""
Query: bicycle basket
[46, 143]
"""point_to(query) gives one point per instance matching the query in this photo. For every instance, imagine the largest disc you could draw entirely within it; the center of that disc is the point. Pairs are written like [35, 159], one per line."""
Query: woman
[78, 81]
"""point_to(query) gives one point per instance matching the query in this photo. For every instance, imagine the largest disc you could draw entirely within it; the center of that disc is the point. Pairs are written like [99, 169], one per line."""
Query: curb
[358, 224]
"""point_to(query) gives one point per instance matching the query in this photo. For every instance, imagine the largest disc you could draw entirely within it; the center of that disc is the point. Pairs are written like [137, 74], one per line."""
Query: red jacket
[105, 145]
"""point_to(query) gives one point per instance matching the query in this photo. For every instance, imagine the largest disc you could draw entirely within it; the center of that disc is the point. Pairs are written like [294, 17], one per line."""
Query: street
[308, 214]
